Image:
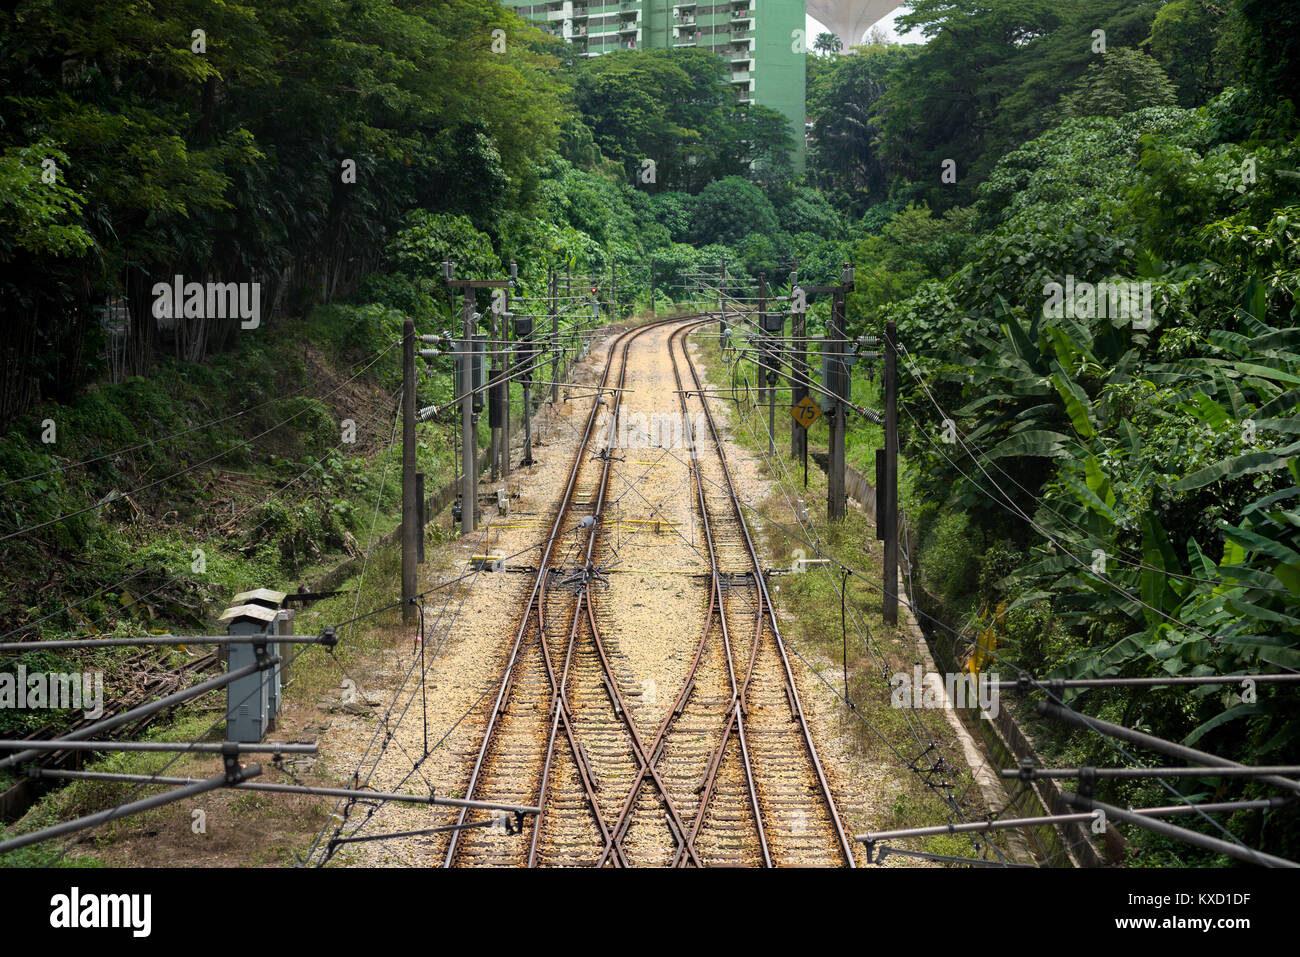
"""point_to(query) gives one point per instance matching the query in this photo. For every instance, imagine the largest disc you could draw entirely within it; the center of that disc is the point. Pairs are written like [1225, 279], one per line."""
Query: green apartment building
[758, 38]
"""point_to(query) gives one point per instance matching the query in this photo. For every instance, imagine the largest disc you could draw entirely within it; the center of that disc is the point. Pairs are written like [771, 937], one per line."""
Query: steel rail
[675, 822]
[765, 600]
[624, 820]
[561, 714]
[735, 712]
[536, 601]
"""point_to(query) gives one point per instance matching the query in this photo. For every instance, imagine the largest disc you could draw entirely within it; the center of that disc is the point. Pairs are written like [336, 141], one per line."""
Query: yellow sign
[806, 412]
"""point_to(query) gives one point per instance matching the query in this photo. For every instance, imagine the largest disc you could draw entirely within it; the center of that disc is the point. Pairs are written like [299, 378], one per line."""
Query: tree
[1271, 47]
[845, 157]
[876, 37]
[673, 211]
[988, 80]
[675, 109]
[1126, 80]
[728, 210]
[913, 247]
[1185, 38]
[756, 145]
[281, 150]
[809, 211]
[827, 43]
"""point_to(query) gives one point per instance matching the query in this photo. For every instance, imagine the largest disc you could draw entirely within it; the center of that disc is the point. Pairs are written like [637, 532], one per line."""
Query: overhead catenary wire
[415, 765]
[1082, 816]
[123, 808]
[275, 493]
[91, 821]
[908, 713]
[1111, 742]
[174, 435]
[187, 469]
[1012, 506]
[107, 724]
[1016, 510]
[397, 695]
[1106, 734]
[158, 705]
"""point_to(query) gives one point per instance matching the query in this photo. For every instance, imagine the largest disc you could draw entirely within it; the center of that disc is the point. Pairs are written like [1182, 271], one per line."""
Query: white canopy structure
[850, 19]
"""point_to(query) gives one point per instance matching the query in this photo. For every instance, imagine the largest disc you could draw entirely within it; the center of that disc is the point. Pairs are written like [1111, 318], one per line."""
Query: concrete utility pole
[552, 290]
[420, 521]
[471, 348]
[836, 502]
[890, 484]
[468, 441]
[613, 291]
[652, 286]
[798, 376]
[410, 506]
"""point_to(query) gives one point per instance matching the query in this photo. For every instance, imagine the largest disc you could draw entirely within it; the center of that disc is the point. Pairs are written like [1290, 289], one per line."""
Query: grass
[328, 508]
[357, 483]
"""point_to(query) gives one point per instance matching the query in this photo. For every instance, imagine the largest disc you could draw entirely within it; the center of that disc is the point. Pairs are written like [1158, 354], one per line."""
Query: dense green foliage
[336, 153]
[288, 145]
[1122, 485]
[675, 109]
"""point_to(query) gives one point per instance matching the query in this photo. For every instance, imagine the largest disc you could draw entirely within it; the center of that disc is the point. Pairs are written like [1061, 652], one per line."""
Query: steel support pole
[1164, 828]
[141, 641]
[493, 406]
[722, 303]
[468, 442]
[553, 287]
[836, 503]
[124, 810]
[528, 425]
[1080, 817]
[890, 512]
[126, 717]
[1181, 751]
[410, 504]
[504, 346]
[348, 794]
[768, 375]
[162, 747]
[798, 376]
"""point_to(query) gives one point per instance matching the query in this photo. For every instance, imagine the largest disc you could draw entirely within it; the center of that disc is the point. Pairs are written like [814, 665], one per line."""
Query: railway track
[155, 682]
[730, 775]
